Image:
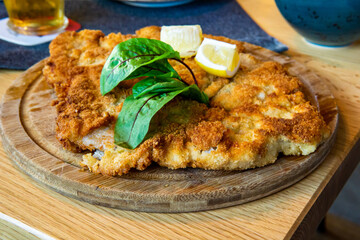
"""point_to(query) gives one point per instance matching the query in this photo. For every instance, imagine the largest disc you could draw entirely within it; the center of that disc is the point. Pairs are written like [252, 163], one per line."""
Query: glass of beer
[36, 17]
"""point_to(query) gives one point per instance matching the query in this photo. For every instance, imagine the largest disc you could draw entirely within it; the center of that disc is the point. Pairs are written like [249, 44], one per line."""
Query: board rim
[125, 201]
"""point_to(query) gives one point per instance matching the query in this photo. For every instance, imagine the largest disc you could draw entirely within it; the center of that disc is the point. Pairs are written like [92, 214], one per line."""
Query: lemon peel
[218, 58]
[185, 39]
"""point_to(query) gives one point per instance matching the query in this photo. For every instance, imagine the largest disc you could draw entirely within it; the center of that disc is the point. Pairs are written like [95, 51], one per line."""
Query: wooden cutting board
[28, 131]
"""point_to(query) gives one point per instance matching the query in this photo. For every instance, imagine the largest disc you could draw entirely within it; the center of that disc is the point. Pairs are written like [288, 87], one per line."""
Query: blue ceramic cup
[323, 22]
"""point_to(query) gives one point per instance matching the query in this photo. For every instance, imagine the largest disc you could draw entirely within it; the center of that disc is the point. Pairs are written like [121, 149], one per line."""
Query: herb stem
[192, 74]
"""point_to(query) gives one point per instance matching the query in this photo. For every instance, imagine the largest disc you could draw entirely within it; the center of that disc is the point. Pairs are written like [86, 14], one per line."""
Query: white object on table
[9, 35]
[27, 228]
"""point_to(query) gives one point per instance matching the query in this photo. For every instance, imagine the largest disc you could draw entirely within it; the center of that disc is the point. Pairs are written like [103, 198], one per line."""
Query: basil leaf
[159, 84]
[135, 116]
[194, 92]
[134, 119]
[160, 67]
[134, 58]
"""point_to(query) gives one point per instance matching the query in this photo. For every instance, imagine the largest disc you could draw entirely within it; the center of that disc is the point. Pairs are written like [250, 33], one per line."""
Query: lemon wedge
[218, 58]
[184, 39]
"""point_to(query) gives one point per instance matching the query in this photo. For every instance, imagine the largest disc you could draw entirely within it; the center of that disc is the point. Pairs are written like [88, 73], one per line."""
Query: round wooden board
[27, 129]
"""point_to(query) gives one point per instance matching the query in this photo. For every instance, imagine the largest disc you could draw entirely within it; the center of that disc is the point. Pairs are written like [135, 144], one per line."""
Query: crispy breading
[73, 71]
[252, 117]
[152, 32]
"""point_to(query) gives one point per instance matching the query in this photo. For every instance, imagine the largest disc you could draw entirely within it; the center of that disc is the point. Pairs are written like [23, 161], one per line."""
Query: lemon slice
[184, 39]
[218, 58]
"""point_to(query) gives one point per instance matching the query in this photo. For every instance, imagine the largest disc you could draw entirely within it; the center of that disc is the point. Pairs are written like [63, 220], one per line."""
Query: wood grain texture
[10, 231]
[322, 205]
[274, 217]
[28, 125]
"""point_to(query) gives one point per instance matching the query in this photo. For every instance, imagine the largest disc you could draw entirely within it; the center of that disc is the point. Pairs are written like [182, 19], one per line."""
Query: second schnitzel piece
[252, 117]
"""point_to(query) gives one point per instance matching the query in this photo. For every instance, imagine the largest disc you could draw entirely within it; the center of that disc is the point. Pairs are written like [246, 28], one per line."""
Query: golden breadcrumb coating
[259, 113]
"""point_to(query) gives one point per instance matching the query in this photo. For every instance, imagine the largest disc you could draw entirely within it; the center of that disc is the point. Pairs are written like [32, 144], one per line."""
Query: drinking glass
[36, 17]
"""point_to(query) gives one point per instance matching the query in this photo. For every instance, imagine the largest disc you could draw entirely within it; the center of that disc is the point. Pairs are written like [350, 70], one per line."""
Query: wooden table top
[293, 212]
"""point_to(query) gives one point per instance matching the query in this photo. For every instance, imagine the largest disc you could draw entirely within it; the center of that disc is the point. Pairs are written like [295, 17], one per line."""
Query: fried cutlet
[252, 117]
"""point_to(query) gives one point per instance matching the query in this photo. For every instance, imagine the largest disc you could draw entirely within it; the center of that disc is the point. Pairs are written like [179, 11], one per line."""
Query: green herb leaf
[194, 92]
[140, 57]
[134, 119]
[134, 58]
[157, 84]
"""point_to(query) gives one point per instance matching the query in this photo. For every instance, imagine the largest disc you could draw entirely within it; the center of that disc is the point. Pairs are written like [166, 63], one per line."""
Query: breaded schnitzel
[252, 117]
